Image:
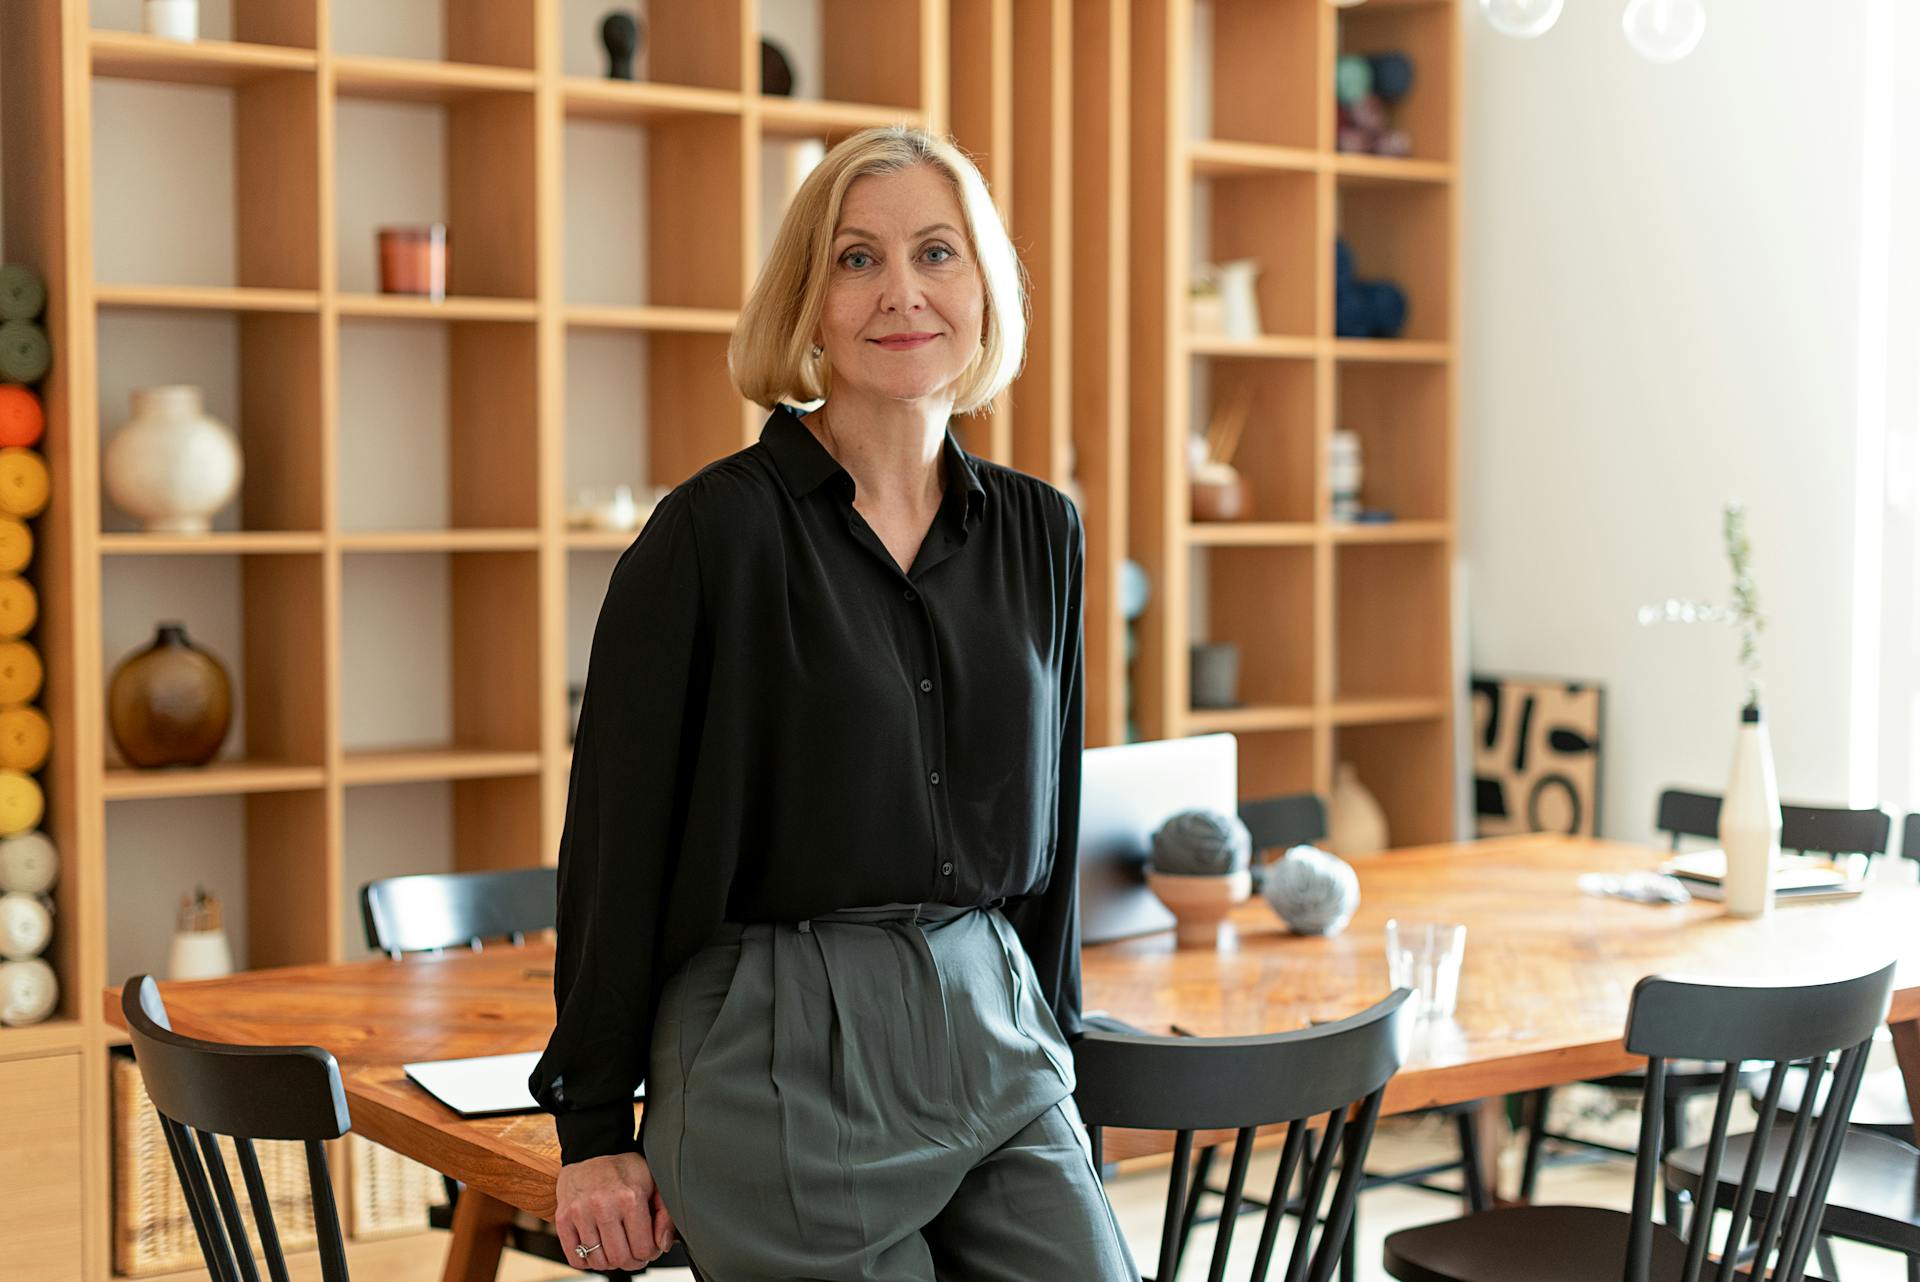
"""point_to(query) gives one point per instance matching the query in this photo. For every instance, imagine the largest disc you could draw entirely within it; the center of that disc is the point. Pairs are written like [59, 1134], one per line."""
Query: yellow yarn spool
[16, 545]
[21, 803]
[26, 736]
[24, 484]
[21, 672]
[19, 607]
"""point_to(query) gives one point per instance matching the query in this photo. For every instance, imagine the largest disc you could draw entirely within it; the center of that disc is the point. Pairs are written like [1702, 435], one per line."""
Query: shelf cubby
[262, 853]
[1261, 599]
[1404, 765]
[1273, 763]
[450, 403]
[467, 161]
[1276, 452]
[444, 648]
[1390, 602]
[1271, 217]
[288, 23]
[259, 616]
[1400, 232]
[164, 147]
[641, 201]
[480, 32]
[1399, 412]
[1426, 34]
[1260, 59]
[698, 45]
[620, 384]
[259, 373]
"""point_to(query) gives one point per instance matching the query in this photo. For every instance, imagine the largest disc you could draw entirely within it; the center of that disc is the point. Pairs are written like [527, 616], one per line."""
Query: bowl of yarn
[1314, 892]
[1200, 868]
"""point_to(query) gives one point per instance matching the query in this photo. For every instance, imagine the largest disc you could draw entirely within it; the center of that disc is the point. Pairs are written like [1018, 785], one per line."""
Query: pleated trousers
[876, 1095]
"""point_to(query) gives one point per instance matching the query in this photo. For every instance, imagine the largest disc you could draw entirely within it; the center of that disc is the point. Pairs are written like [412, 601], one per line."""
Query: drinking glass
[1425, 956]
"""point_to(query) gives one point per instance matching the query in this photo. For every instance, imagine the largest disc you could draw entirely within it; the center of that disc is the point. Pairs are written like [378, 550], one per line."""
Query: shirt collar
[805, 464]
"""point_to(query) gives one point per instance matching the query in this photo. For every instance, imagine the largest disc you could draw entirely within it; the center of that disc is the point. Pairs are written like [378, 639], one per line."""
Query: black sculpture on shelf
[620, 33]
[776, 72]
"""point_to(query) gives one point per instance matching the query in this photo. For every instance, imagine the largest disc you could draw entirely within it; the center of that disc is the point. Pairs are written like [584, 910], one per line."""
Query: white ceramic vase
[1239, 304]
[1356, 825]
[1750, 820]
[172, 466]
[199, 954]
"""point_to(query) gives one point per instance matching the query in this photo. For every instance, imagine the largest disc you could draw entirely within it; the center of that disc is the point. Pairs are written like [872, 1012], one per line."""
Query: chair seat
[1526, 1244]
[1881, 1105]
[1875, 1196]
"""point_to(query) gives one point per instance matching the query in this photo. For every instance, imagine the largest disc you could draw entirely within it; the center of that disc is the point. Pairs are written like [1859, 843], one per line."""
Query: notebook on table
[483, 1085]
[1794, 877]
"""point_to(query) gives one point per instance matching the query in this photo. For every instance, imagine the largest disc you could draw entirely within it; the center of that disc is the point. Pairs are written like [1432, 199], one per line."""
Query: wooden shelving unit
[1344, 630]
[396, 592]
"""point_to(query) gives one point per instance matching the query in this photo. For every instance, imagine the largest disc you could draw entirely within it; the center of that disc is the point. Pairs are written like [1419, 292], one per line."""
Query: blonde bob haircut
[771, 356]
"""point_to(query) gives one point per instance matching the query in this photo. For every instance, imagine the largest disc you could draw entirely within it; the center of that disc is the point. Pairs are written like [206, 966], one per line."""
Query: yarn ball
[1386, 309]
[1352, 78]
[1135, 589]
[1369, 112]
[1314, 892]
[1392, 75]
[1351, 318]
[1202, 843]
[1342, 261]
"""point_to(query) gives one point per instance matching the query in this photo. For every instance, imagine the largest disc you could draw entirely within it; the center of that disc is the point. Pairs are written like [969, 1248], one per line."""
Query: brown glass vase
[170, 704]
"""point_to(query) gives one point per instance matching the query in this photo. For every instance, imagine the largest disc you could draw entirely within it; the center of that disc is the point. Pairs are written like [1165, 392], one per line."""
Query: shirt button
[946, 869]
[935, 776]
[925, 685]
[910, 595]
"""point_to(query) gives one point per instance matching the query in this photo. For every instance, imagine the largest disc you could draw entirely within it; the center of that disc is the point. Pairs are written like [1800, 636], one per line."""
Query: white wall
[1659, 272]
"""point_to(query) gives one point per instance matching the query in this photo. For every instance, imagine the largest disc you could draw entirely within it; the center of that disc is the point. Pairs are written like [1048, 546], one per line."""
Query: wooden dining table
[1547, 975]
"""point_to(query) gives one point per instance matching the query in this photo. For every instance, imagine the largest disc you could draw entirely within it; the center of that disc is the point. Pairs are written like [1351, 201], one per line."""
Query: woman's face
[905, 299]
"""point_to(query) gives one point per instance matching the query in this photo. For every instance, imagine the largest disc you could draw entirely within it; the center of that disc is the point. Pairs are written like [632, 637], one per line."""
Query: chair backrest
[1277, 823]
[1910, 836]
[206, 1090]
[1823, 830]
[431, 911]
[1830, 1025]
[1189, 1084]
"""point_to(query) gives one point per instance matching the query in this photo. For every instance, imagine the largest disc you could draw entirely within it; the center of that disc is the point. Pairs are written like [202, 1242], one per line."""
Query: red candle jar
[413, 260]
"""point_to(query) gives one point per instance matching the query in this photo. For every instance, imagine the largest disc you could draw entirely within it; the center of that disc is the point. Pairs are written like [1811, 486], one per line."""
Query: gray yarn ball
[1314, 892]
[1199, 843]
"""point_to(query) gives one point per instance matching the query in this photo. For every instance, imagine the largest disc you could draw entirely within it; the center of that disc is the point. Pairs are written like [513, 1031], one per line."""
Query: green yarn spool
[22, 293]
[25, 352]
[1352, 78]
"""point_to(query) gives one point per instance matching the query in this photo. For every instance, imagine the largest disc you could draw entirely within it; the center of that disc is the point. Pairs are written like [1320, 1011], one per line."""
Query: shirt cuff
[595, 1132]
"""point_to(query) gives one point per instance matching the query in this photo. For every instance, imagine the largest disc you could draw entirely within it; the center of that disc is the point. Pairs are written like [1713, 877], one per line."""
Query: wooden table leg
[479, 1236]
[1906, 1048]
[1490, 1121]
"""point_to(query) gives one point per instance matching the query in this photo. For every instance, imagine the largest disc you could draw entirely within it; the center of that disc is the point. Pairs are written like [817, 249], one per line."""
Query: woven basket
[152, 1230]
[391, 1193]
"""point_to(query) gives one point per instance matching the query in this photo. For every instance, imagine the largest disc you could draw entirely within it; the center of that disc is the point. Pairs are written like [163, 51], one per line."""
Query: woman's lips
[905, 342]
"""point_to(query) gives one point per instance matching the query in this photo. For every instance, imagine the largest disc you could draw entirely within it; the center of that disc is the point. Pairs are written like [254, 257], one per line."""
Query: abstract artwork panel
[1536, 756]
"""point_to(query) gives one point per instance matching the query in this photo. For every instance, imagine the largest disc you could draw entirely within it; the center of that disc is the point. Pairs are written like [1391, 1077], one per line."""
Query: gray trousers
[878, 1095]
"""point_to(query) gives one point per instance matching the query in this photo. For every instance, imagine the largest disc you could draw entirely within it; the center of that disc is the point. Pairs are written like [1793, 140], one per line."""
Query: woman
[817, 881]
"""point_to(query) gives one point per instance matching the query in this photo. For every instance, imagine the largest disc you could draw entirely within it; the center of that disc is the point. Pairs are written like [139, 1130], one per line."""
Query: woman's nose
[900, 288]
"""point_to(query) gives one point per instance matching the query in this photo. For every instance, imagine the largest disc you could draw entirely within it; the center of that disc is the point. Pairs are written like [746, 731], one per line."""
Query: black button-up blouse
[779, 722]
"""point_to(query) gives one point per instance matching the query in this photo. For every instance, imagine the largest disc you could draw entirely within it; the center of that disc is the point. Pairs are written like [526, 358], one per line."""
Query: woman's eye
[856, 258]
[941, 250]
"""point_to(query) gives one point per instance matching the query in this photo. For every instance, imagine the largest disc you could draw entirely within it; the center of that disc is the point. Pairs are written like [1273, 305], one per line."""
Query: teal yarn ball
[1352, 78]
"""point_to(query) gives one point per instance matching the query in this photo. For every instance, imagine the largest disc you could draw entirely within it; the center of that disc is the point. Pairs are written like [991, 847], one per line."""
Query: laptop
[1126, 792]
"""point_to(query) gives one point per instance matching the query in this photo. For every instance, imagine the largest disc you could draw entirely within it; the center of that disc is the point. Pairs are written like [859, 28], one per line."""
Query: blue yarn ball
[1392, 75]
[1386, 309]
[1351, 316]
[1342, 261]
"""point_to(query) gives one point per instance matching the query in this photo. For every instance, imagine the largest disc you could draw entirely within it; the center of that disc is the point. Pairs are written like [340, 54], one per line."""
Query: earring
[818, 351]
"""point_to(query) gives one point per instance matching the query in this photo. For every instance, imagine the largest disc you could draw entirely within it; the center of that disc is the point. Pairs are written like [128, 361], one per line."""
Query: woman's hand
[611, 1201]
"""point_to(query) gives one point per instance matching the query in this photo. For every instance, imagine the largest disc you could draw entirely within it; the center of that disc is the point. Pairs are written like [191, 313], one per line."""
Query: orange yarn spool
[21, 418]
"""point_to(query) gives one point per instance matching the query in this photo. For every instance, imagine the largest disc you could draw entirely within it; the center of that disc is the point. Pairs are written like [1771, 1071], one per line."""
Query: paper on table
[483, 1085]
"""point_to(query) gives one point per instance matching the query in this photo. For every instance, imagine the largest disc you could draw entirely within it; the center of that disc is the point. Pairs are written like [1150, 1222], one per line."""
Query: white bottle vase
[1750, 820]
[172, 466]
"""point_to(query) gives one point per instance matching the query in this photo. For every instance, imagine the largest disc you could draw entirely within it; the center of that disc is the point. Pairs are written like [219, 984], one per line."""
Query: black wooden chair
[1673, 1019]
[1335, 1073]
[207, 1091]
[432, 912]
[1824, 830]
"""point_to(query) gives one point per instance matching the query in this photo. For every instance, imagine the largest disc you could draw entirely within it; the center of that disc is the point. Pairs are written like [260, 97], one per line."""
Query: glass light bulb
[1522, 18]
[1664, 30]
